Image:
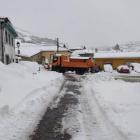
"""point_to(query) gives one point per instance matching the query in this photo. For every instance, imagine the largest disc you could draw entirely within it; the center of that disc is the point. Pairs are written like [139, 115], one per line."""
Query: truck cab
[56, 62]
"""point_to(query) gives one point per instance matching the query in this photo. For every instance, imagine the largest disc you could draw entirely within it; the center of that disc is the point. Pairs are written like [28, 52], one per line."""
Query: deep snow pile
[120, 102]
[33, 67]
[108, 68]
[24, 97]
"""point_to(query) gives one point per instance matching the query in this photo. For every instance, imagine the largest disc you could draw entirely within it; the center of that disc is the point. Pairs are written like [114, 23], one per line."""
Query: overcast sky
[89, 23]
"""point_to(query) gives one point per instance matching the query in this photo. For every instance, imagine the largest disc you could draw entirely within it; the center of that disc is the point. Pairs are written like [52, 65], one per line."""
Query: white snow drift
[120, 102]
[25, 94]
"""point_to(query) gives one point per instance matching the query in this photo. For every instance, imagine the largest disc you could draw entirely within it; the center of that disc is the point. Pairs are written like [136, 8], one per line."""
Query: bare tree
[117, 47]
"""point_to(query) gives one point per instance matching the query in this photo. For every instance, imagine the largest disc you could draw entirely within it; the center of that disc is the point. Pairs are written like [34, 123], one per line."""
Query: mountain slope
[132, 46]
[27, 37]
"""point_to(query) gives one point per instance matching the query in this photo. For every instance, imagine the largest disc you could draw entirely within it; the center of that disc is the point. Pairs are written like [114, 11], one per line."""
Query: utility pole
[57, 42]
[92, 52]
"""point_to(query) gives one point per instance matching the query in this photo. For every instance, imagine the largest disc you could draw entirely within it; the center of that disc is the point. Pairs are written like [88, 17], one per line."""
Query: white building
[7, 41]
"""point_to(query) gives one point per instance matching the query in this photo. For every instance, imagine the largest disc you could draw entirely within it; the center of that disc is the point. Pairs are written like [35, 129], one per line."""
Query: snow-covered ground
[119, 101]
[132, 73]
[108, 109]
[25, 94]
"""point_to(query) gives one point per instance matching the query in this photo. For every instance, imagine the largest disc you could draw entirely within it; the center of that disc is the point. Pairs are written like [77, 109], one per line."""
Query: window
[51, 56]
[43, 58]
[108, 63]
[7, 59]
[6, 37]
[9, 39]
[12, 41]
[55, 59]
[16, 60]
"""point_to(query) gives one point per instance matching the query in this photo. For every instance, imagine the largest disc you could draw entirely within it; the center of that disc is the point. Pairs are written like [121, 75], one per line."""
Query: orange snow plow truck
[63, 63]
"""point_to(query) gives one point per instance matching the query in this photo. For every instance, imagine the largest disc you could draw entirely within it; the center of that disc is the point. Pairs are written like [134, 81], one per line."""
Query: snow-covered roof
[117, 55]
[134, 64]
[73, 57]
[84, 51]
[28, 49]
[76, 48]
[6, 21]
[4, 18]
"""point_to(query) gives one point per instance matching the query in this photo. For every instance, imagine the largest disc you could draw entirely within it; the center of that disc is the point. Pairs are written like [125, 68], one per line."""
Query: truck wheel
[91, 70]
[53, 69]
[82, 71]
[57, 69]
[63, 71]
[78, 71]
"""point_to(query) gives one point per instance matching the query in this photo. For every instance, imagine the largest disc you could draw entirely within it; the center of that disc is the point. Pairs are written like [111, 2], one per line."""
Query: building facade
[38, 53]
[49, 55]
[35, 58]
[116, 59]
[7, 41]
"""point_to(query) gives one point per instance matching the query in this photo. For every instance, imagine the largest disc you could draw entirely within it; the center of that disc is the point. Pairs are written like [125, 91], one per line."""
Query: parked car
[123, 69]
[108, 68]
[135, 67]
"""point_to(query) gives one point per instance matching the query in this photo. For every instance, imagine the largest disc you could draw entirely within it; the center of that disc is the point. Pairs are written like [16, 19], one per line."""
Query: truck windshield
[55, 59]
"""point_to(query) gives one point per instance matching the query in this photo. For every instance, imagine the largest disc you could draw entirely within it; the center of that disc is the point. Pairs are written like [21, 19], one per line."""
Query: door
[7, 59]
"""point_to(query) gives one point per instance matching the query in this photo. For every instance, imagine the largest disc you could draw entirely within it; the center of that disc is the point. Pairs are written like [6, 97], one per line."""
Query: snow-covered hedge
[24, 98]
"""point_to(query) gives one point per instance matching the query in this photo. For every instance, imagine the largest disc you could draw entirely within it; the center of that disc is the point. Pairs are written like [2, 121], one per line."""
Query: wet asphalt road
[50, 126]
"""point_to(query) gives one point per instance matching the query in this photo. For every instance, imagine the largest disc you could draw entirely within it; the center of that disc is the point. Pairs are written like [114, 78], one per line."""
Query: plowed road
[76, 114]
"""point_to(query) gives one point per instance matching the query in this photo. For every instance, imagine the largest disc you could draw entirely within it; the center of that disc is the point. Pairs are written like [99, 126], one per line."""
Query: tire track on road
[103, 129]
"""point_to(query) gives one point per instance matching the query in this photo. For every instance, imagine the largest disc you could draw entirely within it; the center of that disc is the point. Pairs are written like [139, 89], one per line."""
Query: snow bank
[24, 97]
[120, 102]
[17, 81]
[33, 67]
[108, 68]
